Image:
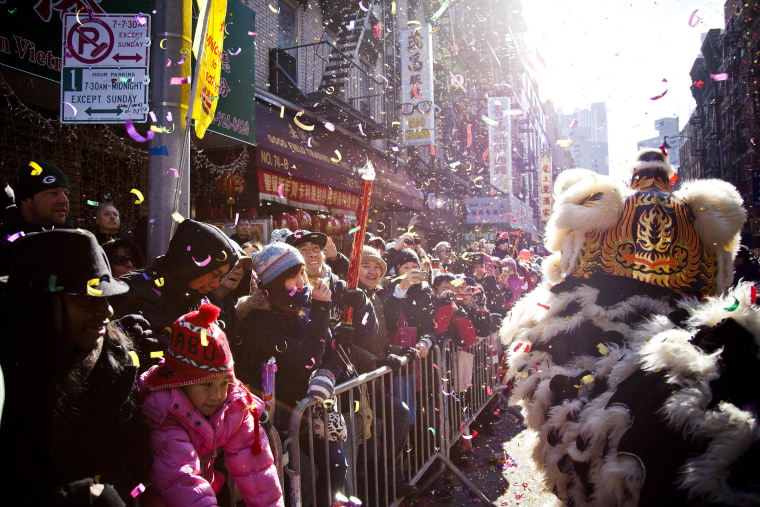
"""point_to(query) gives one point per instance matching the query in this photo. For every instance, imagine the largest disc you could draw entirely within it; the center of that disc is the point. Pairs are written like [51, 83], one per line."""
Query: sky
[618, 52]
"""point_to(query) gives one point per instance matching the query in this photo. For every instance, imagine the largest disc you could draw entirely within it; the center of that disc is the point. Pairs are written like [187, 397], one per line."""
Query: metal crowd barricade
[441, 412]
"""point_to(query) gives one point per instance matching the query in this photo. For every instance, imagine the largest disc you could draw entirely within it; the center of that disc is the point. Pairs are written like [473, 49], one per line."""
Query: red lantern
[286, 221]
[304, 219]
[331, 226]
[345, 224]
[230, 185]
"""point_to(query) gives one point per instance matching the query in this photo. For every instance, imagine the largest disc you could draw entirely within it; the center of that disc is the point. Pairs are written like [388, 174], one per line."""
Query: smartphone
[422, 275]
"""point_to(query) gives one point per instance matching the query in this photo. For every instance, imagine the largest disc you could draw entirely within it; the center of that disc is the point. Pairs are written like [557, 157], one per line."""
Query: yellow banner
[210, 67]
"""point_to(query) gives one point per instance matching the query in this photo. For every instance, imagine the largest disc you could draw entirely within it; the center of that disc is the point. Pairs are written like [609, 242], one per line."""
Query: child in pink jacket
[196, 408]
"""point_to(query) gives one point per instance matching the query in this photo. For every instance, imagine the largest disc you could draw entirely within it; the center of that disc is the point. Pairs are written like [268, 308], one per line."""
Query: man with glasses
[449, 260]
[124, 256]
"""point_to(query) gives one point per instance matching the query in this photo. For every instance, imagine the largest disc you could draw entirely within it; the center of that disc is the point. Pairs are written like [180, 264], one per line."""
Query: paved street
[502, 467]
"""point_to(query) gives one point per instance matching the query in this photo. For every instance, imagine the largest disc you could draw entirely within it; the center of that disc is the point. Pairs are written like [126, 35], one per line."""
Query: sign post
[104, 77]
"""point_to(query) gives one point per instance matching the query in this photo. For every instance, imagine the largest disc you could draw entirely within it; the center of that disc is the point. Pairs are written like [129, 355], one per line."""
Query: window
[287, 30]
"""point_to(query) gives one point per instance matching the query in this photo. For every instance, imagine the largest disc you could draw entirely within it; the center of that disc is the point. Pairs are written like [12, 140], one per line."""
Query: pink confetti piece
[308, 142]
[139, 489]
[329, 126]
[181, 61]
[361, 130]
[14, 237]
[134, 134]
[173, 171]
[237, 52]
[179, 80]
[152, 116]
[168, 62]
[293, 291]
[719, 77]
[279, 190]
[141, 19]
[694, 19]
[313, 363]
[203, 262]
[656, 97]
[366, 316]
[168, 116]
[252, 34]
[443, 390]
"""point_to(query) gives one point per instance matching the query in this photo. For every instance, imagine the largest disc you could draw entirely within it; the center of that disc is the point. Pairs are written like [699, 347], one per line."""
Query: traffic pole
[171, 40]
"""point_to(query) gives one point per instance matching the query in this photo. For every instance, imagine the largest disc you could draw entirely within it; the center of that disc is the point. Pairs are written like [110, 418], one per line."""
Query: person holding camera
[406, 241]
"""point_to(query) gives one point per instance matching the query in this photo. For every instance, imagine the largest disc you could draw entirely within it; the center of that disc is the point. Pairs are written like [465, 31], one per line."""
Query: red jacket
[447, 315]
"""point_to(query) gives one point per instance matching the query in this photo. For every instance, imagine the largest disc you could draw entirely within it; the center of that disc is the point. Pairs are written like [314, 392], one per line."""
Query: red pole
[352, 279]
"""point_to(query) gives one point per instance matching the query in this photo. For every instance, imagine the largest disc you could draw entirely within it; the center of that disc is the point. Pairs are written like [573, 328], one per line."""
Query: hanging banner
[210, 68]
[546, 188]
[499, 123]
[416, 101]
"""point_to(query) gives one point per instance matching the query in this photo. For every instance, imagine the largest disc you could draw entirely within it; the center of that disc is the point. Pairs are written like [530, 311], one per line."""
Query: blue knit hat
[274, 260]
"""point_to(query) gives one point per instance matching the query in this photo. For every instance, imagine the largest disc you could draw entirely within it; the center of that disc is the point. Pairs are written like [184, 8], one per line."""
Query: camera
[460, 297]
[417, 240]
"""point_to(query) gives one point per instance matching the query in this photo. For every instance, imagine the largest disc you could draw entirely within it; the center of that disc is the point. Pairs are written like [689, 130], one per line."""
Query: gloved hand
[355, 298]
[321, 385]
[86, 492]
[344, 335]
[136, 326]
[412, 353]
[392, 361]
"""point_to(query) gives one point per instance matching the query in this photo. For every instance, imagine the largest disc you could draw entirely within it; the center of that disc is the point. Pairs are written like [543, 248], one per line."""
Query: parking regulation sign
[104, 77]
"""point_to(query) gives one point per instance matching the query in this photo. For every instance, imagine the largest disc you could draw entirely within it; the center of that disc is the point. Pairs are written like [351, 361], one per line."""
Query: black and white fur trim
[585, 428]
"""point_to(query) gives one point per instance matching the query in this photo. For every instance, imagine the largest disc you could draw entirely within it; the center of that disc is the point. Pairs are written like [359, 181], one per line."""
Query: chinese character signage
[546, 188]
[416, 111]
[305, 194]
[500, 143]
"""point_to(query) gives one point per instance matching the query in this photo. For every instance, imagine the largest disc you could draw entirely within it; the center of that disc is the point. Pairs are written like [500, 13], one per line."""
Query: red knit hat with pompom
[199, 351]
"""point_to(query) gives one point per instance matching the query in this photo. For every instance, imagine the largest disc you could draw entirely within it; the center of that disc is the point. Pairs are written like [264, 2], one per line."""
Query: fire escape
[335, 77]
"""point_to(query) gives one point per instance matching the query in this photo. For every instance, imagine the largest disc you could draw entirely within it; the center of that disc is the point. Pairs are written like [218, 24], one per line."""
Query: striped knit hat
[274, 260]
[199, 351]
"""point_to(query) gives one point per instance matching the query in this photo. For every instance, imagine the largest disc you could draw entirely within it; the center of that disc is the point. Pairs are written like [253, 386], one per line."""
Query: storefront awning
[319, 155]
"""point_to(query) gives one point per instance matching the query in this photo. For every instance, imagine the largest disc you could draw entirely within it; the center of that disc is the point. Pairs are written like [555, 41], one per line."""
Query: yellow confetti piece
[588, 379]
[456, 282]
[393, 7]
[135, 359]
[91, 290]
[204, 338]
[156, 354]
[273, 9]
[36, 169]
[356, 406]
[328, 403]
[340, 157]
[603, 350]
[159, 282]
[282, 111]
[177, 217]
[298, 122]
[140, 197]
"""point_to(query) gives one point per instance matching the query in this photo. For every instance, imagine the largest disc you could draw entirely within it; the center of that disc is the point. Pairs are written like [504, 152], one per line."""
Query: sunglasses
[121, 260]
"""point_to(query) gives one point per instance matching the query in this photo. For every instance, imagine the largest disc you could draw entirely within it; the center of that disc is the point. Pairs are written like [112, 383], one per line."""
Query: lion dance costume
[637, 364]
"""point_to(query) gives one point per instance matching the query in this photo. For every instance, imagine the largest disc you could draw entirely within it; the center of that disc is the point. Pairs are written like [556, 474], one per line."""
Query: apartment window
[287, 29]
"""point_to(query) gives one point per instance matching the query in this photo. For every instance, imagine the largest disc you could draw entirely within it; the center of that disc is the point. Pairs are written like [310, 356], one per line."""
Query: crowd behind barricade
[154, 382]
